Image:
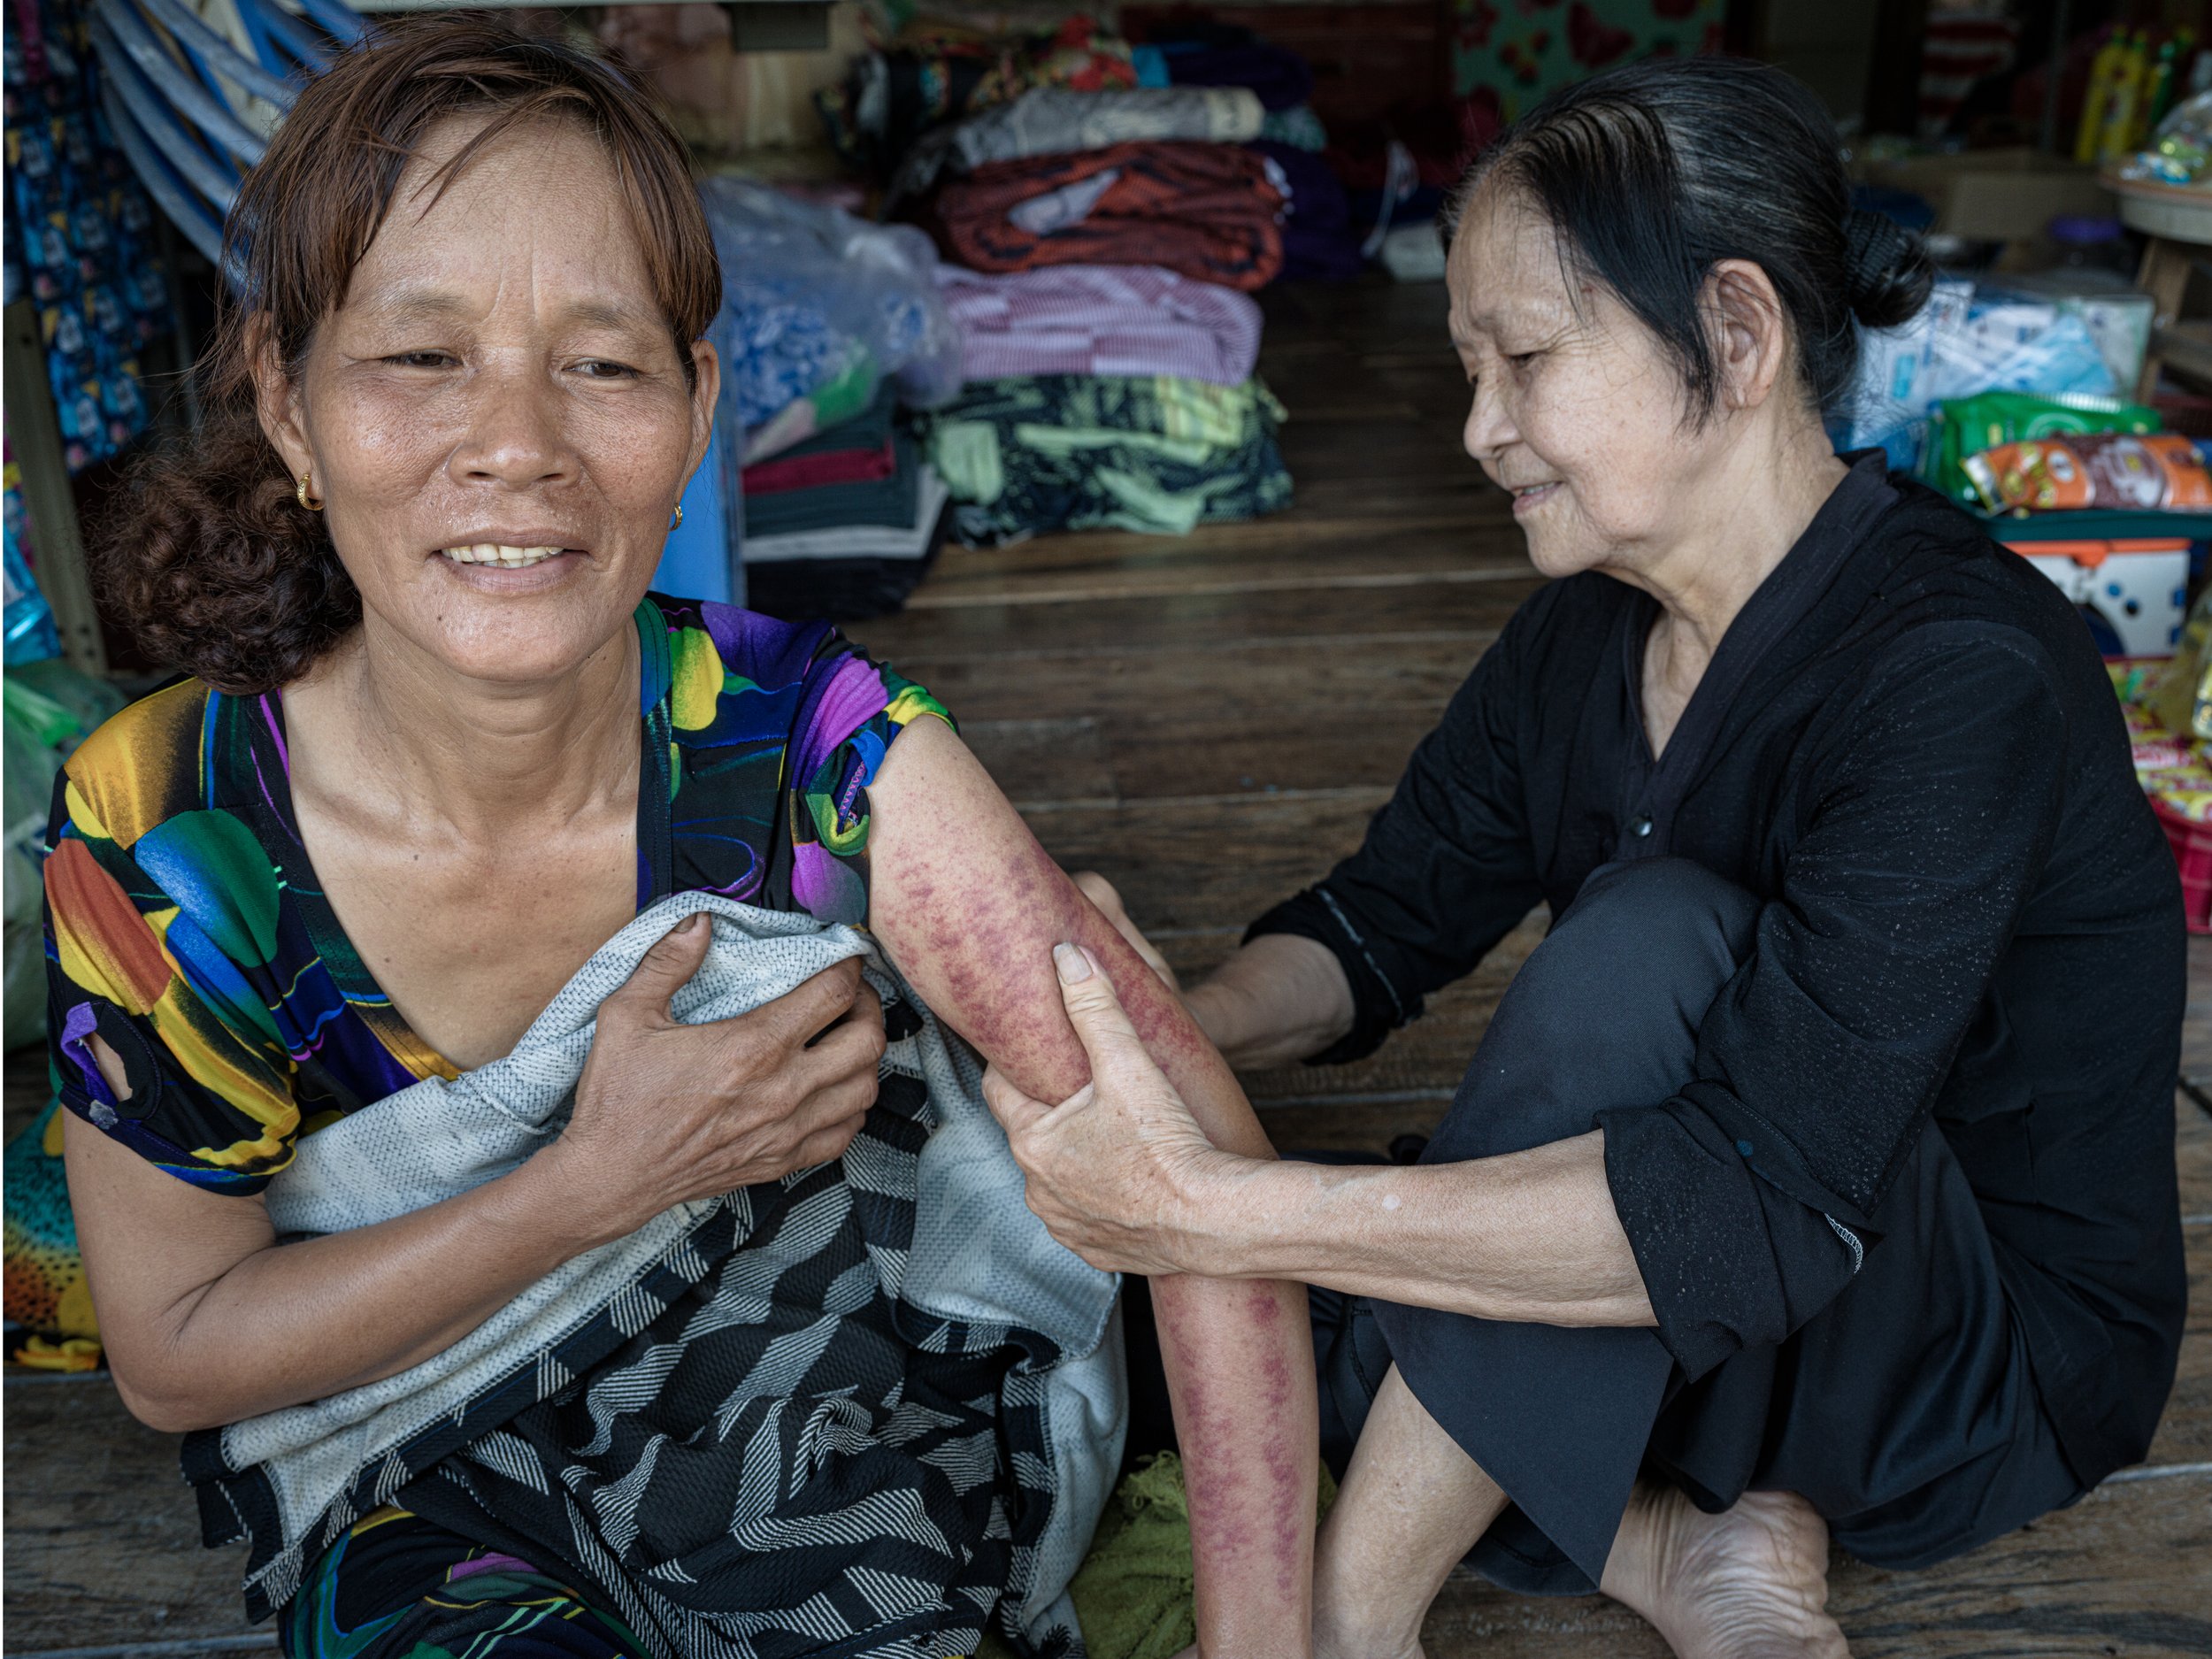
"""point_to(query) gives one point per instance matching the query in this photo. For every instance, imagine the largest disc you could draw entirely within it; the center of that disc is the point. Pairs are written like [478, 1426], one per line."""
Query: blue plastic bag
[818, 307]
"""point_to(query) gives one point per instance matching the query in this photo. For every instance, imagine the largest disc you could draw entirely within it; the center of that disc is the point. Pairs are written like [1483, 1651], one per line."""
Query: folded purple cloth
[1319, 244]
[1100, 319]
[1282, 78]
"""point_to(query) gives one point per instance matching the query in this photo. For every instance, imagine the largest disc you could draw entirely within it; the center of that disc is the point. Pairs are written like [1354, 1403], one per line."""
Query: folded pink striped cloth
[1102, 319]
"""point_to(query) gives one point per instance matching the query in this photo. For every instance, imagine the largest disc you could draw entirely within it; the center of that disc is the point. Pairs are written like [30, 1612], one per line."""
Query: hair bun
[1887, 273]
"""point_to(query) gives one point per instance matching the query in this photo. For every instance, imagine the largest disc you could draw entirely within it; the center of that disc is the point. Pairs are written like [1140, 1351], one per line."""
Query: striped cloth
[1959, 50]
[1102, 319]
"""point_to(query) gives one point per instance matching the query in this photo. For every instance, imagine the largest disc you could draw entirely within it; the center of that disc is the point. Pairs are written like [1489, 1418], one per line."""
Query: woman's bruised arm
[969, 907]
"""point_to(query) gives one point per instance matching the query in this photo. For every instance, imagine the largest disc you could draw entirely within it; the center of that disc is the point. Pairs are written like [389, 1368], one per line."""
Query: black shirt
[1906, 747]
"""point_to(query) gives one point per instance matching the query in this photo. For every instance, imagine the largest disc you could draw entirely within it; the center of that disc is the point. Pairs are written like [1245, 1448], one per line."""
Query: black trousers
[1905, 1411]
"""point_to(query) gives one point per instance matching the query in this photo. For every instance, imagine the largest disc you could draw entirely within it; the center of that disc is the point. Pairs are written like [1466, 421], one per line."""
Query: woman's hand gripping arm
[970, 909]
[1278, 999]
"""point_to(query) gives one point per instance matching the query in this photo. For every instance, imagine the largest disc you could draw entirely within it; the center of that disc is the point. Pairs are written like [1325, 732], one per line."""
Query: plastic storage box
[2131, 593]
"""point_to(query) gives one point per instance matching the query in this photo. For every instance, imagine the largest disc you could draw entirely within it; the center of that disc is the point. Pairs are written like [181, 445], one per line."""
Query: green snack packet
[1967, 426]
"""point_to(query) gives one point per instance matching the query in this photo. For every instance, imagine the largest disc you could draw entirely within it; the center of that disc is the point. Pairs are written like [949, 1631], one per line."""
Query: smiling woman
[437, 745]
[216, 567]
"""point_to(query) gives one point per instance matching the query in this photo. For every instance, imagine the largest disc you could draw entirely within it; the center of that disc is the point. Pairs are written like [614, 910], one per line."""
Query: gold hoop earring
[678, 517]
[312, 503]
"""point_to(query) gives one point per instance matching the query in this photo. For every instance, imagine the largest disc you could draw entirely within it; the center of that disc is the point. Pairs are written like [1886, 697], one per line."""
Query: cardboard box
[1995, 195]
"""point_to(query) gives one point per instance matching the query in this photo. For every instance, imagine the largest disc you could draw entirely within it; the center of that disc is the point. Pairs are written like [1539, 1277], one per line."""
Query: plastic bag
[1964, 343]
[818, 307]
[1894, 392]
[2181, 150]
[2019, 345]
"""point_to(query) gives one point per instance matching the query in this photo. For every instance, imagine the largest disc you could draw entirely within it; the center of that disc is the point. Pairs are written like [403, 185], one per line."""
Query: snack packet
[2143, 472]
[1966, 425]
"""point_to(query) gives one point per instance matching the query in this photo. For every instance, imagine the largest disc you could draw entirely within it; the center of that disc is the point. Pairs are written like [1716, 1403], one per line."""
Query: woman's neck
[1750, 514]
[399, 736]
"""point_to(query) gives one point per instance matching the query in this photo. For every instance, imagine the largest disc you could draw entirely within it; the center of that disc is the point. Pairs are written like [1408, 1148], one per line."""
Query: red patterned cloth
[1205, 210]
[812, 470]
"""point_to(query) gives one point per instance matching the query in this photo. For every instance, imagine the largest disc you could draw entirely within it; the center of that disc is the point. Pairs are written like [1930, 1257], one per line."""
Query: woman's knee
[1604, 1014]
[1631, 966]
[1677, 916]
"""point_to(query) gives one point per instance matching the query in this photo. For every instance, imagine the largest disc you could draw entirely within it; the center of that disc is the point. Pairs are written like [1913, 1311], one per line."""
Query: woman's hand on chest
[667, 1112]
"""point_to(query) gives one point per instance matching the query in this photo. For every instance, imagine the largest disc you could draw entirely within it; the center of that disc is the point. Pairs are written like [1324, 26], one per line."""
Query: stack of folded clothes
[844, 524]
[1022, 143]
[941, 65]
[1318, 243]
[1105, 212]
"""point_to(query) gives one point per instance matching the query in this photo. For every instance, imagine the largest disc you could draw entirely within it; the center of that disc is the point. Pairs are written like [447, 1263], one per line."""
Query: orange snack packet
[2142, 472]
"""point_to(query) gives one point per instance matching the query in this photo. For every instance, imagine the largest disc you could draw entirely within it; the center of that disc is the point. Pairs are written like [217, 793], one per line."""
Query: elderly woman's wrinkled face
[498, 416]
[1576, 409]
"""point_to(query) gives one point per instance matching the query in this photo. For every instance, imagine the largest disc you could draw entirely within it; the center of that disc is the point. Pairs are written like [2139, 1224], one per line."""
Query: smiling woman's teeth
[508, 557]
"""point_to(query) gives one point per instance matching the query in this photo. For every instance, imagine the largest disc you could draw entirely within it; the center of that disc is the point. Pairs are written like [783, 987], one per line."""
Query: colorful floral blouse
[185, 925]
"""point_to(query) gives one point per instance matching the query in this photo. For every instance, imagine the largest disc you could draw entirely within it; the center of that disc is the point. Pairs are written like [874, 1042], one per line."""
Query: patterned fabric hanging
[81, 240]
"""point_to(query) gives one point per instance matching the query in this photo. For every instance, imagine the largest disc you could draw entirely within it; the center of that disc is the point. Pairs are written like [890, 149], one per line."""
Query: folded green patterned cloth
[1155, 453]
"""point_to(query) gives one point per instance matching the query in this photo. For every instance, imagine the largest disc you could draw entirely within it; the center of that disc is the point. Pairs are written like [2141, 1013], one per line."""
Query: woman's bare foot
[1749, 1584]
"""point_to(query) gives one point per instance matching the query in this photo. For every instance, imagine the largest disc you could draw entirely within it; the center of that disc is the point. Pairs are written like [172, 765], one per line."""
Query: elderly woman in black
[1816, 1175]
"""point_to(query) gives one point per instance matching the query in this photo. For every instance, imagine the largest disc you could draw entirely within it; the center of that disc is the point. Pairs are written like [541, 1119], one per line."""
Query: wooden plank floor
[1209, 721]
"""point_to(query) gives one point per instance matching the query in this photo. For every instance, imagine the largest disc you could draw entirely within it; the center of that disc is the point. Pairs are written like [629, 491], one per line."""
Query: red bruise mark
[1674, 10]
[1476, 18]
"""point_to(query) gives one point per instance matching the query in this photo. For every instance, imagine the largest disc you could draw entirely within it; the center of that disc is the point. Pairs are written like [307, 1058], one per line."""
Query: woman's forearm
[1280, 998]
[288, 1323]
[971, 908]
[1238, 1356]
[1531, 1236]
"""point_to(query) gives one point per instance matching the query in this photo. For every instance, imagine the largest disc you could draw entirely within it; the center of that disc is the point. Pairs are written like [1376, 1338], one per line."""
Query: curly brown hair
[208, 557]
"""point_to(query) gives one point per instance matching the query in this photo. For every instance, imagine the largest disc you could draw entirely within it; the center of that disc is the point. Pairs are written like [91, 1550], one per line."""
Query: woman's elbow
[163, 1407]
[168, 1393]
